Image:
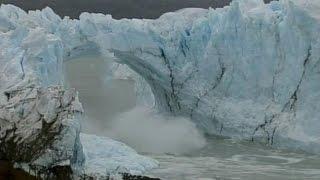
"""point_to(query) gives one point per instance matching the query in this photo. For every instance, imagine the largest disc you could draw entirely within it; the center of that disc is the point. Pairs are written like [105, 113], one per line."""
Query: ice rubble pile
[249, 70]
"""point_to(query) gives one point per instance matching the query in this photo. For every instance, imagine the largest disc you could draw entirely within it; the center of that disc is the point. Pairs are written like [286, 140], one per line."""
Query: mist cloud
[148, 131]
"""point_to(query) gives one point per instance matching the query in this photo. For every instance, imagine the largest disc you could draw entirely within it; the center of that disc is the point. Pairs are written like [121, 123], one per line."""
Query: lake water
[229, 159]
[219, 159]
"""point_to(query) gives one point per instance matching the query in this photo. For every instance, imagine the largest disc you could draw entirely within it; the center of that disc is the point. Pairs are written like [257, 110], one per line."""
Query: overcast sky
[118, 8]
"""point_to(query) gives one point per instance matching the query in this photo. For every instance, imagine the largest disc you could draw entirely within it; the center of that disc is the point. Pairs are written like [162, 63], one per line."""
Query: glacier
[246, 71]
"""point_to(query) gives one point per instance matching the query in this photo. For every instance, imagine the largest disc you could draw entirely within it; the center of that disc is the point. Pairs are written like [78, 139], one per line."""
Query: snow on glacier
[249, 70]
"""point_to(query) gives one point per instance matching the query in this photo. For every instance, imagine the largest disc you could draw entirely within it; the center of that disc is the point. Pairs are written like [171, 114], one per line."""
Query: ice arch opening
[118, 103]
[102, 97]
[229, 70]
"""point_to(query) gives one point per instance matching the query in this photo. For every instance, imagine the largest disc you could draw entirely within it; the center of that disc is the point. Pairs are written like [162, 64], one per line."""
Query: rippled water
[219, 159]
[229, 159]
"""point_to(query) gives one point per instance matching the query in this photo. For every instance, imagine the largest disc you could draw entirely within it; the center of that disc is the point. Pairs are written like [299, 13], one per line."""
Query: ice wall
[39, 117]
[247, 71]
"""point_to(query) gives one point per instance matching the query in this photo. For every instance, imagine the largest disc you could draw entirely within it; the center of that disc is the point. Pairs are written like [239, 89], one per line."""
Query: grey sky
[118, 8]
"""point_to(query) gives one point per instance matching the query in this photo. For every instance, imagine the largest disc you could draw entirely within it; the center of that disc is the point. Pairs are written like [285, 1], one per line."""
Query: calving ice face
[248, 71]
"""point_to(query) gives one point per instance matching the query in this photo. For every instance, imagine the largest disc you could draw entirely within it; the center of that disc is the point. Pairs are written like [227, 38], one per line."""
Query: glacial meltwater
[230, 159]
[219, 158]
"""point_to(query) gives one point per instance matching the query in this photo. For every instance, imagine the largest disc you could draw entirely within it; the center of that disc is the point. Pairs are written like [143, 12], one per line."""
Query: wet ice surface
[220, 158]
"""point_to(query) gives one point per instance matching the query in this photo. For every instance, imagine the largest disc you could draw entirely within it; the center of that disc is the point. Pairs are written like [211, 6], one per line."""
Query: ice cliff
[40, 120]
[247, 71]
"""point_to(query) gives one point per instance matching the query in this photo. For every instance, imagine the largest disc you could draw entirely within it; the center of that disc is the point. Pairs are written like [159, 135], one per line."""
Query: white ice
[247, 71]
[105, 156]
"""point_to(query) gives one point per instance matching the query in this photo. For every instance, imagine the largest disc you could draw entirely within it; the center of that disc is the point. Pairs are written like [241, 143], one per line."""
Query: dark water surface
[118, 8]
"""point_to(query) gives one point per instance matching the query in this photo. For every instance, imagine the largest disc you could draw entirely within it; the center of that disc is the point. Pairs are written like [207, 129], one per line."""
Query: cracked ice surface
[248, 71]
